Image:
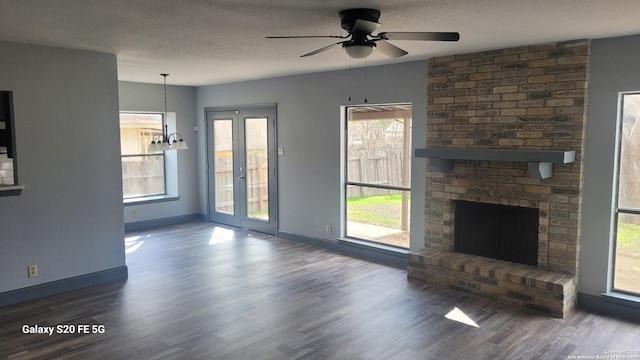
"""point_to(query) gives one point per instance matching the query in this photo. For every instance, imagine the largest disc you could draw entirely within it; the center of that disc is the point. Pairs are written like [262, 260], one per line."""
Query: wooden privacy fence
[379, 167]
[142, 175]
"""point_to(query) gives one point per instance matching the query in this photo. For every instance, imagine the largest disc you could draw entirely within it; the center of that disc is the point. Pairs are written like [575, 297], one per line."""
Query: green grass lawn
[628, 234]
[384, 210]
[397, 199]
[628, 242]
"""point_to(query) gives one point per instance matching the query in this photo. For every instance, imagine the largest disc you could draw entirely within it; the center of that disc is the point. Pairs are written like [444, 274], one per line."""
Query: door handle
[240, 177]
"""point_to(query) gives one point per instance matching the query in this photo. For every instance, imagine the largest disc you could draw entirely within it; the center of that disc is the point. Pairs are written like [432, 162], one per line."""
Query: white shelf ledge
[540, 161]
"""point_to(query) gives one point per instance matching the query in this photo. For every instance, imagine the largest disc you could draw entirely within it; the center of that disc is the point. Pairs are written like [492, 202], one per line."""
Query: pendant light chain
[166, 142]
[166, 126]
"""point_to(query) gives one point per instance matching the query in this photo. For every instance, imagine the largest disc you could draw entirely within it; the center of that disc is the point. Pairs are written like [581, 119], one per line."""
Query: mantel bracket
[540, 170]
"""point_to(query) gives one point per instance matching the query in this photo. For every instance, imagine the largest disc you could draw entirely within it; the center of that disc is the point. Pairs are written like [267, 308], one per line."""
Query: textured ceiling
[202, 42]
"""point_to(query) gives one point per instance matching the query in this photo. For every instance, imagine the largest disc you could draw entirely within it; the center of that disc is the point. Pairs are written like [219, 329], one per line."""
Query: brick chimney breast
[524, 98]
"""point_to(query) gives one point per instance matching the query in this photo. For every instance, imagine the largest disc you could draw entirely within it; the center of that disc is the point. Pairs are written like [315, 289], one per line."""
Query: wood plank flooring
[201, 291]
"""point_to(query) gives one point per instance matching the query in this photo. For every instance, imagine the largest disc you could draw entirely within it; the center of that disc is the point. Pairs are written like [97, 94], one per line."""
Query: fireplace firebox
[500, 232]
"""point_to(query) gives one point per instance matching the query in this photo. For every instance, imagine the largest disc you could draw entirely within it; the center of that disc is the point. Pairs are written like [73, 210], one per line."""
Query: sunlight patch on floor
[459, 316]
[132, 243]
[220, 235]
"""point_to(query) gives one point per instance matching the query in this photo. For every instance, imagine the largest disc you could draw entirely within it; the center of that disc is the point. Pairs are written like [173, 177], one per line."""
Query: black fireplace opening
[500, 232]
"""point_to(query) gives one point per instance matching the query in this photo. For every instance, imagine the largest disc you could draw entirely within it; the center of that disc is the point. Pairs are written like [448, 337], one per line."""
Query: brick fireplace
[516, 100]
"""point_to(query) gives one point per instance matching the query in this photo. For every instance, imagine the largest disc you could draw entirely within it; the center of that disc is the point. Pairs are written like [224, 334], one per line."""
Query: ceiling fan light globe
[358, 51]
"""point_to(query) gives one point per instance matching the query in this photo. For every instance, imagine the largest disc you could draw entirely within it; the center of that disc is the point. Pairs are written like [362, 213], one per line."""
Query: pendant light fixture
[166, 141]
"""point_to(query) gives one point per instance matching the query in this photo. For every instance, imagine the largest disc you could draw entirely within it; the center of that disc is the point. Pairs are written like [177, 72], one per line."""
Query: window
[627, 210]
[378, 177]
[8, 175]
[143, 174]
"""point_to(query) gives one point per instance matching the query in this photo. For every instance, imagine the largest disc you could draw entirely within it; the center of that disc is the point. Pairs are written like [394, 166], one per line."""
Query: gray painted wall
[613, 69]
[68, 220]
[182, 101]
[308, 109]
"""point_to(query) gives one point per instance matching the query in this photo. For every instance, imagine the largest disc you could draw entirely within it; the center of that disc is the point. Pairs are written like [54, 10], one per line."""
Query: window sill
[374, 245]
[150, 199]
[11, 190]
[381, 253]
[621, 297]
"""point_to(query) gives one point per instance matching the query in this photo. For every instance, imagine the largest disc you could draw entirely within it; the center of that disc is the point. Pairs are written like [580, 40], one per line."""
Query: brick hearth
[525, 98]
[514, 284]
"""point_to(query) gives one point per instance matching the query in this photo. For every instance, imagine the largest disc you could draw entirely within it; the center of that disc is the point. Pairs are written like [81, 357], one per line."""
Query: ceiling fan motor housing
[349, 17]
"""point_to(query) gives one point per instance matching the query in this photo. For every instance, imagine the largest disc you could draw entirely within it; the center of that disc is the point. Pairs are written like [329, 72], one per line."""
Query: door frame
[270, 227]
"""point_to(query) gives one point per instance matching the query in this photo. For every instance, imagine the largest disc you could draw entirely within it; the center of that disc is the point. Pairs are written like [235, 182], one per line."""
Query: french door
[242, 168]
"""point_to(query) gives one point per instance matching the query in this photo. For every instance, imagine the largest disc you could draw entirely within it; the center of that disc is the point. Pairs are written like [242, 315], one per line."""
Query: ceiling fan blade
[390, 49]
[321, 49]
[307, 37]
[423, 36]
[364, 27]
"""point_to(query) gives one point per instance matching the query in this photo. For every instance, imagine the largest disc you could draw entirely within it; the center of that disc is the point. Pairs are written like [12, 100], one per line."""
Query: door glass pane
[257, 168]
[223, 165]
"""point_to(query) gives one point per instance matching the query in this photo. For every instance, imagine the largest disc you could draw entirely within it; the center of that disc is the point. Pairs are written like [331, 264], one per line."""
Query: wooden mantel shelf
[540, 161]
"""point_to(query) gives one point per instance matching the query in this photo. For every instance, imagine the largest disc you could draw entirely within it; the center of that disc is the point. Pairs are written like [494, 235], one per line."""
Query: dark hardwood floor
[201, 291]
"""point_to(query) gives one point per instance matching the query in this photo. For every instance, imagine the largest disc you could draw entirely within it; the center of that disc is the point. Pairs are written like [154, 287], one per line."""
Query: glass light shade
[179, 145]
[164, 146]
[358, 51]
[153, 147]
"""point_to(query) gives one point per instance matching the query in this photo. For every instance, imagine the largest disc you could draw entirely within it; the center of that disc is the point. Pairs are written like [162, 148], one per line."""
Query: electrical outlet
[329, 229]
[134, 213]
[33, 270]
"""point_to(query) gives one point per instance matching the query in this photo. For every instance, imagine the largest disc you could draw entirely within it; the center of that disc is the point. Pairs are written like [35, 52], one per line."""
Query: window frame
[347, 183]
[147, 197]
[9, 184]
[617, 209]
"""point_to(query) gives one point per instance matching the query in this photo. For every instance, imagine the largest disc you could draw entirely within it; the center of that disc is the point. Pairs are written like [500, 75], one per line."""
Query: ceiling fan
[360, 24]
